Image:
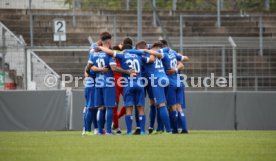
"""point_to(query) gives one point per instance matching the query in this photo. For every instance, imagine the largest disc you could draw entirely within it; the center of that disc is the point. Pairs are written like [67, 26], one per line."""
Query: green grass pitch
[197, 145]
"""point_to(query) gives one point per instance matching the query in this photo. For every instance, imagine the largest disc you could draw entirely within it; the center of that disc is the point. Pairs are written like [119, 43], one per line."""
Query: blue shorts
[174, 95]
[134, 96]
[89, 97]
[159, 94]
[105, 96]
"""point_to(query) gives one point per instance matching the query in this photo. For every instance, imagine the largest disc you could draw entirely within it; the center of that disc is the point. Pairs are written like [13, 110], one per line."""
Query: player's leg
[128, 102]
[84, 120]
[101, 119]
[89, 120]
[140, 104]
[174, 117]
[160, 125]
[142, 119]
[93, 110]
[101, 111]
[84, 111]
[128, 119]
[115, 109]
[109, 103]
[182, 119]
[180, 108]
[160, 100]
[94, 119]
[171, 96]
[152, 113]
[122, 112]
[164, 116]
[88, 115]
[137, 129]
[115, 118]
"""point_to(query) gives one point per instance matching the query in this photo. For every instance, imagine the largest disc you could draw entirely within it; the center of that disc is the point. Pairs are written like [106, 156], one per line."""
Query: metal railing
[248, 70]
[12, 54]
[248, 18]
[38, 72]
[30, 69]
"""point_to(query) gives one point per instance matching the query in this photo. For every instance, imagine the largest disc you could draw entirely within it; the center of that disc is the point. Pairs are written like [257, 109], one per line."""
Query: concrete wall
[32, 110]
[210, 110]
[256, 110]
[47, 110]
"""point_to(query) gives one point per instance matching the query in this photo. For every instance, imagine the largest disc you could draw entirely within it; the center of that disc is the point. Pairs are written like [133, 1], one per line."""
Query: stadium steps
[197, 31]
[72, 63]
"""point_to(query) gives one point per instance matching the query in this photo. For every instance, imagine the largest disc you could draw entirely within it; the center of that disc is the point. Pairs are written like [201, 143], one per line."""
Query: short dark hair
[157, 44]
[127, 40]
[116, 47]
[164, 42]
[141, 45]
[127, 46]
[105, 36]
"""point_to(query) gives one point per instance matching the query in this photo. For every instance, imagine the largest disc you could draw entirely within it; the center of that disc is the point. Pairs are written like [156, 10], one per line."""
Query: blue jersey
[140, 53]
[130, 60]
[155, 68]
[170, 58]
[90, 80]
[101, 59]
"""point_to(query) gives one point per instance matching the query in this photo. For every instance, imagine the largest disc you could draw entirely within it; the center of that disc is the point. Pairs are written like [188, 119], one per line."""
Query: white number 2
[158, 63]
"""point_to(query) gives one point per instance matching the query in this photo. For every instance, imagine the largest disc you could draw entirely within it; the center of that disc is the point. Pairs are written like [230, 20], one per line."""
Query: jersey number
[173, 63]
[158, 64]
[100, 63]
[134, 64]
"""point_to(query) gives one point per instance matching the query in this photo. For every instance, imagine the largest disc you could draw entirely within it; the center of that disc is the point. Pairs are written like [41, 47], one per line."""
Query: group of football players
[133, 72]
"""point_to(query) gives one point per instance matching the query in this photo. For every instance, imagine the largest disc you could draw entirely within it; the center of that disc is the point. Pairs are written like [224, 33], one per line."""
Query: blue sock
[109, 118]
[182, 118]
[171, 117]
[128, 119]
[160, 125]
[100, 119]
[137, 118]
[94, 118]
[84, 119]
[179, 121]
[142, 120]
[152, 115]
[165, 118]
[104, 117]
[174, 117]
[88, 119]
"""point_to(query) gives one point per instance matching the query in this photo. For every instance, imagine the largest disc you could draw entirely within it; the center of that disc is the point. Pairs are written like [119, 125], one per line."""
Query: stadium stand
[197, 31]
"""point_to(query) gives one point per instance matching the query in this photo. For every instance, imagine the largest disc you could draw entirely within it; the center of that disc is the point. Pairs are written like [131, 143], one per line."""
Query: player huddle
[133, 72]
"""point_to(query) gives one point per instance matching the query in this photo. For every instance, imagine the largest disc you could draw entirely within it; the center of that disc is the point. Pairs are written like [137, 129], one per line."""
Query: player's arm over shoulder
[106, 50]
